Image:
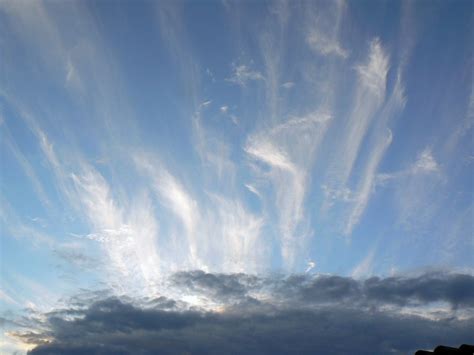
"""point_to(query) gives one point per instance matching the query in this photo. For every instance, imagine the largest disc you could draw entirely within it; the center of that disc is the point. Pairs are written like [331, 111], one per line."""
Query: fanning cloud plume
[218, 168]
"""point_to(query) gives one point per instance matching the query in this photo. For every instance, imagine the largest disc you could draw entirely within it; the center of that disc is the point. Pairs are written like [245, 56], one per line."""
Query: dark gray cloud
[217, 285]
[454, 289]
[299, 315]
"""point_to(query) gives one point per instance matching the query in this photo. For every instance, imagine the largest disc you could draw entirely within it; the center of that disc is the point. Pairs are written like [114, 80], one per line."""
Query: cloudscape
[236, 177]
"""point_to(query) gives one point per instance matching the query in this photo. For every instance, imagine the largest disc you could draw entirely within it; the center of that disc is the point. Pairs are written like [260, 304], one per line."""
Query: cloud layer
[246, 314]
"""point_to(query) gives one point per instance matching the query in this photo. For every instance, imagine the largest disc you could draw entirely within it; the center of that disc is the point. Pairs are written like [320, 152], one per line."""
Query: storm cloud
[299, 314]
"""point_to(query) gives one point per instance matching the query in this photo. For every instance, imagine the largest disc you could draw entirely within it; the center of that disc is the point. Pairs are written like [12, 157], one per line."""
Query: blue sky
[140, 139]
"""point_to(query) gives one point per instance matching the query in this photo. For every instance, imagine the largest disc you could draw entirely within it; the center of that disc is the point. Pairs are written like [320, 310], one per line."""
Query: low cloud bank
[246, 314]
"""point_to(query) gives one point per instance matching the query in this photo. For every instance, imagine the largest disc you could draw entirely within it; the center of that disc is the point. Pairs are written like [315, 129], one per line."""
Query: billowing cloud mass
[245, 314]
[235, 177]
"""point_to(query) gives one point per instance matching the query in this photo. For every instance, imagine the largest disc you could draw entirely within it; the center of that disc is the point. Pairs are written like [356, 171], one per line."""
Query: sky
[212, 175]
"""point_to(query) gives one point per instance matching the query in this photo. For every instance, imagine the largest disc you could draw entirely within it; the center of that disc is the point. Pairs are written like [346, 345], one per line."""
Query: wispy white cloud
[94, 195]
[253, 190]
[213, 150]
[176, 198]
[281, 9]
[300, 122]
[33, 24]
[240, 234]
[174, 34]
[32, 294]
[414, 186]
[424, 164]
[128, 231]
[326, 46]
[219, 234]
[367, 125]
[288, 149]
[73, 78]
[270, 154]
[381, 141]
[367, 184]
[47, 148]
[243, 74]
[32, 123]
[226, 112]
[224, 109]
[173, 196]
[373, 74]
[15, 226]
[323, 30]
[368, 100]
[224, 235]
[311, 266]
[288, 85]
[205, 103]
[5, 297]
[365, 268]
[336, 194]
[27, 167]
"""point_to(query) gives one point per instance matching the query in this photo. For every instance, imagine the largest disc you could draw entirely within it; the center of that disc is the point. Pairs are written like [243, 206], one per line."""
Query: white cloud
[174, 35]
[311, 266]
[326, 46]
[381, 141]
[416, 191]
[205, 103]
[289, 149]
[253, 190]
[368, 100]
[300, 123]
[210, 74]
[241, 247]
[425, 163]
[73, 78]
[24, 230]
[127, 231]
[364, 268]
[270, 154]
[5, 297]
[366, 187]
[288, 85]
[337, 194]
[105, 217]
[373, 74]
[213, 150]
[228, 235]
[242, 75]
[225, 111]
[323, 29]
[219, 233]
[173, 195]
[369, 104]
[37, 29]
[48, 149]
[31, 293]
[27, 167]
